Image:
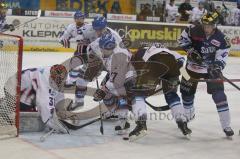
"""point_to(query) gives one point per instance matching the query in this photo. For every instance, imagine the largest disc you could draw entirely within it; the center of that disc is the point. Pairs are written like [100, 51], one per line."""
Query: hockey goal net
[10, 78]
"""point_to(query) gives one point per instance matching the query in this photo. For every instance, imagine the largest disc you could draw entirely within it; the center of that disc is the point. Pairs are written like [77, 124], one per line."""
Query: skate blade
[229, 137]
[141, 135]
[188, 136]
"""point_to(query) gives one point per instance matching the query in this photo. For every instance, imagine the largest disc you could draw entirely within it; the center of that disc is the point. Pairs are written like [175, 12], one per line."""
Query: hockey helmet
[107, 42]
[79, 15]
[210, 19]
[99, 23]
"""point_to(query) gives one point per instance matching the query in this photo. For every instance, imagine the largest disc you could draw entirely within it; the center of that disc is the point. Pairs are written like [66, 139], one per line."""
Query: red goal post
[11, 50]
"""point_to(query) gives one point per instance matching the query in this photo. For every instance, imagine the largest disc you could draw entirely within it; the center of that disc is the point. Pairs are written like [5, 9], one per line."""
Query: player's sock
[178, 111]
[220, 100]
[189, 109]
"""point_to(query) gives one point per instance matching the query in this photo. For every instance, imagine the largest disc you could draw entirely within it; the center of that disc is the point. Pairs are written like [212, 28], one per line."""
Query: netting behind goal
[10, 77]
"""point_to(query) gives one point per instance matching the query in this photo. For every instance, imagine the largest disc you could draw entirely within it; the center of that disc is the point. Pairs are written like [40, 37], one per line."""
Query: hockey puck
[125, 138]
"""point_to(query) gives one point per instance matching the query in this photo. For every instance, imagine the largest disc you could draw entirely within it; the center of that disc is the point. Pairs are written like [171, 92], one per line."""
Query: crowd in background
[165, 10]
[186, 13]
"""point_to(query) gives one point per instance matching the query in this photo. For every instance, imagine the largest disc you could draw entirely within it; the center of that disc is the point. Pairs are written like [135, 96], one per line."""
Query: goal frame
[19, 70]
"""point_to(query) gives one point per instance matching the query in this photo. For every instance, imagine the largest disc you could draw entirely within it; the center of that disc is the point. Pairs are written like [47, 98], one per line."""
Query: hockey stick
[43, 137]
[76, 127]
[230, 82]
[215, 80]
[161, 108]
[19, 25]
[100, 111]
[157, 108]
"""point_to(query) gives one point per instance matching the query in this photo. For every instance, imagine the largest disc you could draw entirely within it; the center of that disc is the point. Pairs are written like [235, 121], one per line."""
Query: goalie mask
[58, 75]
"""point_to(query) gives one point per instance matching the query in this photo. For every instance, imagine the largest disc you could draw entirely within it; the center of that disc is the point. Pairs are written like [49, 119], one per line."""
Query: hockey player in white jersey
[41, 90]
[3, 25]
[112, 92]
[83, 34]
[207, 51]
[98, 27]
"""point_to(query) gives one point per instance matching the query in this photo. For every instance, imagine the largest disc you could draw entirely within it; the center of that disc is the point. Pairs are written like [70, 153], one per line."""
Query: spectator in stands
[209, 6]
[172, 14]
[62, 5]
[197, 13]
[92, 6]
[220, 16]
[235, 15]
[102, 7]
[116, 8]
[184, 9]
[226, 14]
[160, 10]
[145, 12]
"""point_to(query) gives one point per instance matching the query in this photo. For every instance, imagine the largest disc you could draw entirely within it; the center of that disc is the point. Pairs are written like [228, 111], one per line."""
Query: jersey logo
[215, 43]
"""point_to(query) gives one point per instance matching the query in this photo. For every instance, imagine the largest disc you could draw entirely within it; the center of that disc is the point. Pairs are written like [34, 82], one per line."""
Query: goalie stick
[76, 127]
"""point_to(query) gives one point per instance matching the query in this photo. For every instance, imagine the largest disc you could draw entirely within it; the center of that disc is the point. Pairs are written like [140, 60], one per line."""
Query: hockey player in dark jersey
[156, 65]
[3, 25]
[207, 50]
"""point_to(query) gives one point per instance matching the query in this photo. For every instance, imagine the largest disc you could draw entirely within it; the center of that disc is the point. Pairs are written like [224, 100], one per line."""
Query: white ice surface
[164, 141]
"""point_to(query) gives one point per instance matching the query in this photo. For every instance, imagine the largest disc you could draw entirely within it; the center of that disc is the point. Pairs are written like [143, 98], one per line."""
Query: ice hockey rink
[164, 140]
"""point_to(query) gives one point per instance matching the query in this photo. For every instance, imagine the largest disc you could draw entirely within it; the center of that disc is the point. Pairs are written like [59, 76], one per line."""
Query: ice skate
[139, 132]
[122, 127]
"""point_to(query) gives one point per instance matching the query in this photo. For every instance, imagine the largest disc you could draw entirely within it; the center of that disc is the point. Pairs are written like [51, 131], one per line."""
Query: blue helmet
[107, 42]
[79, 15]
[99, 23]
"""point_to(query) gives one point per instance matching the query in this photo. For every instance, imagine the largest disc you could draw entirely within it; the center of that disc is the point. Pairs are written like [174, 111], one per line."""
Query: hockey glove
[99, 95]
[65, 43]
[194, 56]
[9, 27]
[214, 71]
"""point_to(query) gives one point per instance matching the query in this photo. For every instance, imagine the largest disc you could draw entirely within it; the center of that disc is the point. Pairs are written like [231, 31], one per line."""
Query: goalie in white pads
[41, 87]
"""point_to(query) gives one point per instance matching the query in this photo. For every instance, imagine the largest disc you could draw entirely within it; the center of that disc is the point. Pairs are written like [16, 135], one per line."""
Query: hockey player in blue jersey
[207, 51]
[3, 25]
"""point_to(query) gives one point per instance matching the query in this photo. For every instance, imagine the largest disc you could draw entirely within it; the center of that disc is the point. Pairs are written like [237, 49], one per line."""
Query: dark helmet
[210, 19]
